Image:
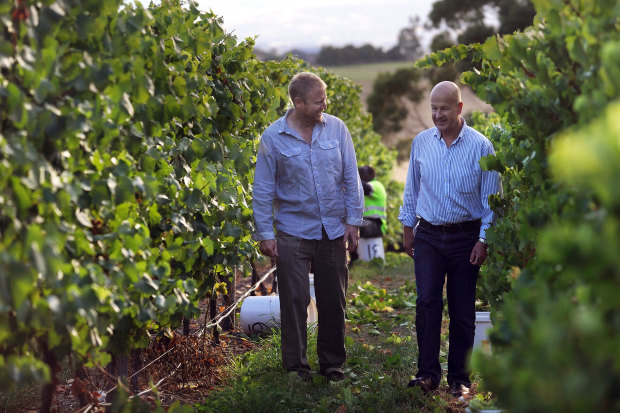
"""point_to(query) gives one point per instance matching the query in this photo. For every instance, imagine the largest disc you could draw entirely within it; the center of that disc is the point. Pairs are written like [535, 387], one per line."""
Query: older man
[306, 180]
[445, 215]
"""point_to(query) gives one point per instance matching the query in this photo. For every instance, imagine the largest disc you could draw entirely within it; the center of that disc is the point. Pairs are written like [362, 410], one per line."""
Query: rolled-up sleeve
[264, 190]
[407, 213]
[353, 190]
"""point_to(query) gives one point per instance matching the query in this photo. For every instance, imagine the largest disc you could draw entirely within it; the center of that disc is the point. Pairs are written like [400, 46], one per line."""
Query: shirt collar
[437, 134]
[284, 127]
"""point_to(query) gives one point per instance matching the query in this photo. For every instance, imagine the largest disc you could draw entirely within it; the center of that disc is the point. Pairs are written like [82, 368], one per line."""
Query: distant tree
[476, 33]
[409, 44]
[394, 55]
[265, 55]
[467, 17]
[454, 11]
[299, 54]
[449, 72]
[387, 100]
[329, 56]
[515, 15]
[442, 41]
[370, 54]
[348, 55]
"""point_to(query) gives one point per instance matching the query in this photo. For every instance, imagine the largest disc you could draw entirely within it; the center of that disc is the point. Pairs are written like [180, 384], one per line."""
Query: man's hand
[269, 248]
[478, 254]
[408, 240]
[351, 234]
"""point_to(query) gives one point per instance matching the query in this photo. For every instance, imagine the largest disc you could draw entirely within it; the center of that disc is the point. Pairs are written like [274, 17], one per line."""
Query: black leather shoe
[335, 375]
[332, 374]
[425, 383]
[459, 390]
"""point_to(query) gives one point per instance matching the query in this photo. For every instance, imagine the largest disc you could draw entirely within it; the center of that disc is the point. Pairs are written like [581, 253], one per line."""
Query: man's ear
[297, 101]
[460, 107]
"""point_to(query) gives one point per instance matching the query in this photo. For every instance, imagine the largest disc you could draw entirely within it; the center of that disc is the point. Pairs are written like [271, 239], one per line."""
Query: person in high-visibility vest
[375, 204]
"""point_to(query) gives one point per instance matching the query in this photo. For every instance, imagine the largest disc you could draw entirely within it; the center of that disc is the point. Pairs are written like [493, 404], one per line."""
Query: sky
[282, 25]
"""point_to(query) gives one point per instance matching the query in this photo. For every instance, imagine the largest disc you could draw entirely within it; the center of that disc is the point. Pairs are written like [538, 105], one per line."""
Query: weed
[381, 357]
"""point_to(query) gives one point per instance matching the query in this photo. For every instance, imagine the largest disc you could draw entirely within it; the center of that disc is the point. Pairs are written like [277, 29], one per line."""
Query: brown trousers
[331, 278]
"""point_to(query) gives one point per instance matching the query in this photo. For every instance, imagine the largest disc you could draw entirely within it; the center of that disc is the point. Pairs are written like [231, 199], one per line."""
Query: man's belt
[451, 228]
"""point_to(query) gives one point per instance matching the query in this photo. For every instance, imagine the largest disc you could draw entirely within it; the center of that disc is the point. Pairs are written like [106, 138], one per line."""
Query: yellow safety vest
[375, 204]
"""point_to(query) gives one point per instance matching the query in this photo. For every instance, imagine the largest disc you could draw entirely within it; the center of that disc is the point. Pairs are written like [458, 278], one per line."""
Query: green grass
[364, 74]
[381, 357]
[396, 267]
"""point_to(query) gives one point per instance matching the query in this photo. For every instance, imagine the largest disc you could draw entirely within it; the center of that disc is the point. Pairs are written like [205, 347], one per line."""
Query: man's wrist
[482, 240]
[356, 222]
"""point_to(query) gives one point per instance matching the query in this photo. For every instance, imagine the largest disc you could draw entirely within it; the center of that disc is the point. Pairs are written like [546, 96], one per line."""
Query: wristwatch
[483, 240]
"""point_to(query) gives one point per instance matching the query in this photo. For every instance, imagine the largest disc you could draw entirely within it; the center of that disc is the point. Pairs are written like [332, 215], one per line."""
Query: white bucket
[370, 248]
[481, 338]
[312, 287]
[262, 313]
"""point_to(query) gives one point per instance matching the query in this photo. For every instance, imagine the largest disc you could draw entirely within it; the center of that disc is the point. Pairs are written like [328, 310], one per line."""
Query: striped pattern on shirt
[446, 185]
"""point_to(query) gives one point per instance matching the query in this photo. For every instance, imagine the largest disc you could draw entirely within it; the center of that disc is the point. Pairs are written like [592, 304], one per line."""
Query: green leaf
[208, 245]
[21, 195]
[349, 342]
[21, 283]
[126, 104]
[83, 218]
[180, 86]
[491, 49]
[146, 285]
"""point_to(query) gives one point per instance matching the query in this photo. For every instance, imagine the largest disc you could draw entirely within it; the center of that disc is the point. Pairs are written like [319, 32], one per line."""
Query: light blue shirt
[302, 186]
[445, 185]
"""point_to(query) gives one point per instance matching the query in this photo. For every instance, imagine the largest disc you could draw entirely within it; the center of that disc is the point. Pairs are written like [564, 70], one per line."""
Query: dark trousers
[331, 278]
[438, 254]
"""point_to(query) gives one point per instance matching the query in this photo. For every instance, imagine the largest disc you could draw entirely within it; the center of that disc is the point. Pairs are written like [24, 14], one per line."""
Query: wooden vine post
[228, 322]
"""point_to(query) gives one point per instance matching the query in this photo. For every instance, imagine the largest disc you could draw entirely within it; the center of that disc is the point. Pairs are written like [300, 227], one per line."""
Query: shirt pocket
[290, 162]
[290, 152]
[469, 182]
[330, 151]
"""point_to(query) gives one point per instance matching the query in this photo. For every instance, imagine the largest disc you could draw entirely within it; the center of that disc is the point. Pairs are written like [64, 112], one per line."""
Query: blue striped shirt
[303, 187]
[445, 185]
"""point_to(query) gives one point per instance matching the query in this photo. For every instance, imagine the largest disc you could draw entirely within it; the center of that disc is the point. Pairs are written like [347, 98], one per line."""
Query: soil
[185, 368]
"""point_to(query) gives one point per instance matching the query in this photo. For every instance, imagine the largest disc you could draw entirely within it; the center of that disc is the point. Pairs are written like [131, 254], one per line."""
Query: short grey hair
[302, 83]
